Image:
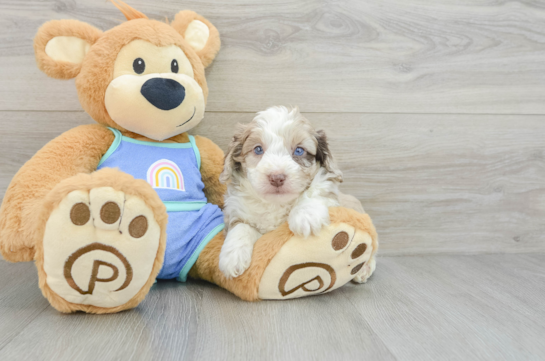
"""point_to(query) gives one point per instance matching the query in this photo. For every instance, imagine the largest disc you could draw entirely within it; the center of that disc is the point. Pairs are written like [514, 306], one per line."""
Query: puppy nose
[277, 180]
[165, 94]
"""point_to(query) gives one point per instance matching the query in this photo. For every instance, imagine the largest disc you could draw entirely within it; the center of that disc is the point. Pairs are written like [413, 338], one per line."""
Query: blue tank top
[173, 170]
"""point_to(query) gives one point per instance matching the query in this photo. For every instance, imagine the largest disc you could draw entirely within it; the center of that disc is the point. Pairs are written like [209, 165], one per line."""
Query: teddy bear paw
[318, 264]
[366, 271]
[99, 247]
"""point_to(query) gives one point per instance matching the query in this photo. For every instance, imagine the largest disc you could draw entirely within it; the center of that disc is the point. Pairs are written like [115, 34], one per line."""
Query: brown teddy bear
[105, 209]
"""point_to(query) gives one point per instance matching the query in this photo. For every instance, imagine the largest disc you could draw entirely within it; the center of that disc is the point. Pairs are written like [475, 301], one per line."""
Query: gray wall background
[435, 110]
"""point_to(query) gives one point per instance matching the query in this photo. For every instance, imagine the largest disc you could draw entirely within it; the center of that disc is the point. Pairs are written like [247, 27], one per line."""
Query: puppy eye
[258, 150]
[138, 65]
[174, 66]
[299, 151]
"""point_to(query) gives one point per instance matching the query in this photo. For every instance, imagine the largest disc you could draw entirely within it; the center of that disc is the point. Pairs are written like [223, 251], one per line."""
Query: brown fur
[234, 157]
[85, 182]
[323, 155]
[53, 28]
[129, 12]
[69, 162]
[77, 151]
[97, 69]
[209, 52]
[211, 168]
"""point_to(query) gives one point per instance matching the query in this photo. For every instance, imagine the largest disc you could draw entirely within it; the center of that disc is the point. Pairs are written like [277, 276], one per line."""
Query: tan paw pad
[80, 214]
[317, 264]
[104, 262]
[107, 206]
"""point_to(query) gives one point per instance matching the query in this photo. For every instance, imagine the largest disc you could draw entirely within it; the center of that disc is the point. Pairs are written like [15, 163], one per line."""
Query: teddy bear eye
[174, 66]
[138, 65]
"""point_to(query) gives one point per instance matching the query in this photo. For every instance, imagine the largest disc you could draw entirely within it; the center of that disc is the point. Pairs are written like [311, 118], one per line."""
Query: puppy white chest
[269, 217]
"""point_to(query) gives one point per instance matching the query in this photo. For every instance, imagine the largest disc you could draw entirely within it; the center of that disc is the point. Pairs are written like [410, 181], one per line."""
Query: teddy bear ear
[203, 37]
[61, 45]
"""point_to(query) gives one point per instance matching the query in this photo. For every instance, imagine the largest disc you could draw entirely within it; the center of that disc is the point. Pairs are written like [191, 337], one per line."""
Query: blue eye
[299, 151]
[258, 150]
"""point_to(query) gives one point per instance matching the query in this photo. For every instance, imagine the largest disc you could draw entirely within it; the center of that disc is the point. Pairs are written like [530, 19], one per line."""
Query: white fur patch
[308, 217]
[253, 200]
[236, 252]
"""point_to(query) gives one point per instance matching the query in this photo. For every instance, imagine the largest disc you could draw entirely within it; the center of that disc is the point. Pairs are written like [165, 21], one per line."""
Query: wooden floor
[435, 111]
[485, 307]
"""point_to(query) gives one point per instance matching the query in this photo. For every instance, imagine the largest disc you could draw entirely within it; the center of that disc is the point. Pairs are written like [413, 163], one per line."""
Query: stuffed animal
[106, 209]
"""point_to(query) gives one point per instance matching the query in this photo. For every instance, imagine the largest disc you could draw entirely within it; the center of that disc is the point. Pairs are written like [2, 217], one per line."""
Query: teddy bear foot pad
[99, 247]
[318, 264]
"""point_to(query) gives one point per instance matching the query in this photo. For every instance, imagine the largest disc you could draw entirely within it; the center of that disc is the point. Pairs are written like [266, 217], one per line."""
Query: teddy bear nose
[165, 94]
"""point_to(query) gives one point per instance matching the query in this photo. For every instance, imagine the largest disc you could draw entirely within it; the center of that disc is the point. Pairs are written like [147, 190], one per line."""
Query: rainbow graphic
[165, 174]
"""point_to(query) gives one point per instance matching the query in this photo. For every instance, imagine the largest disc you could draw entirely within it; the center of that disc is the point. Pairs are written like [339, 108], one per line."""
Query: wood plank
[514, 282]
[20, 299]
[455, 307]
[197, 321]
[314, 328]
[350, 56]
[160, 328]
[413, 308]
[432, 183]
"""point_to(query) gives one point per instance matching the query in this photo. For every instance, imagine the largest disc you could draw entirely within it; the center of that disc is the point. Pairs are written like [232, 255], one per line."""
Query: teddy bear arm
[76, 151]
[211, 167]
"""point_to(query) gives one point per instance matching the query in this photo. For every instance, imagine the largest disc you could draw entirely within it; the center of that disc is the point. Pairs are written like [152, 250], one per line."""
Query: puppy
[277, 168]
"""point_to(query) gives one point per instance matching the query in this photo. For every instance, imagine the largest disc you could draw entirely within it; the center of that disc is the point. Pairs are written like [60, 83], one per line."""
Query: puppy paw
[234, 261]
[308, 219]
[236, 252]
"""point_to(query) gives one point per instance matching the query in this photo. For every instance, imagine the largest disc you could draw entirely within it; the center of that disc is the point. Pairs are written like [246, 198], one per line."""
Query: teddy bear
[106, 209]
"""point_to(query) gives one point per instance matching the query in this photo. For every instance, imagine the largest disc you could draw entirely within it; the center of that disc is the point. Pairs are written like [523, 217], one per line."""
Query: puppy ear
[203, 37]
[61, 45]
[234, 153]
[325, 158]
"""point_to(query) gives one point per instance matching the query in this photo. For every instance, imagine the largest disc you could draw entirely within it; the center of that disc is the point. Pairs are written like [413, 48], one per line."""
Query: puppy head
[278, 154]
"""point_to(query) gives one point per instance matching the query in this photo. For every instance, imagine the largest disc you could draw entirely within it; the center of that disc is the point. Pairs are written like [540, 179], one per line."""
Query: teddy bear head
[143, 76]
